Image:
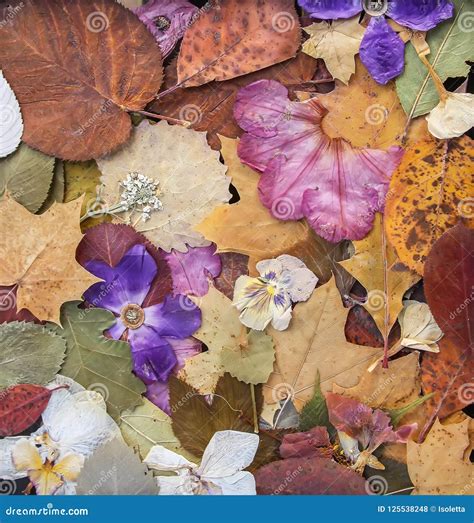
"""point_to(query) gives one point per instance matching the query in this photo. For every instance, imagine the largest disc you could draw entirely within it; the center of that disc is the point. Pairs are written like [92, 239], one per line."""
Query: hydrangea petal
[331, 9]
[175, 15]
[192, 270]
[420, 15]
[382, 51]
[337, 187]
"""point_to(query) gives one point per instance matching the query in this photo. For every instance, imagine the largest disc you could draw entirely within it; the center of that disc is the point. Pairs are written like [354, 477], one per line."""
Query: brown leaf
[230, 39]
[233, 266]
[210, 107]
[76, 68]
[38, 256]
[361, 329]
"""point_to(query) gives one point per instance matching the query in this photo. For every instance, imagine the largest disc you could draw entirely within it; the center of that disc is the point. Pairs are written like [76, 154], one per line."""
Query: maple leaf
[39, 257]
[190, 182]
[248, 228]
[437, 468]
[430, 192]
[79, 80]
[336, 44]
[315, 341]
[229, 39]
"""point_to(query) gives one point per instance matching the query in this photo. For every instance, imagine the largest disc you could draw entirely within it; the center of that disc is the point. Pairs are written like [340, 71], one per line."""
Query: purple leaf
[313, 443]
[192, 270]
[167, 21]
[331, 9]
[382, 51]
[336, 187]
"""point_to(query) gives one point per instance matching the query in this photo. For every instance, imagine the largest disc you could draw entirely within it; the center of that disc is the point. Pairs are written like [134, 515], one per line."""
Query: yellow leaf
[315, 341]
[39, 257]
[376, 266]
[430, 192]
[336, 44]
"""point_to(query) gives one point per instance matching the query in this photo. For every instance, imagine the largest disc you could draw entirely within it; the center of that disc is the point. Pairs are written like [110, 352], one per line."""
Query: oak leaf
[80, 79]
[39, 257]
[336, 44]
[229, 39]
[431, 191]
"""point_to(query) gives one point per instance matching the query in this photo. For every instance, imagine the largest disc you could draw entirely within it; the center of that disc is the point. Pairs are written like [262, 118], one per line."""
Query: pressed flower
[382, 51]
[453, 116]
[167, 20]
[362, 430]
[221, 471]
[151, 331]
[268, 298]
[336, 187]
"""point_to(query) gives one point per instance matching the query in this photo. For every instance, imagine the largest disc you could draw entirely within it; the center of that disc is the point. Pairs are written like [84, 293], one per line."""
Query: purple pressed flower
[167, 21]
[382, 50]
[151, 330]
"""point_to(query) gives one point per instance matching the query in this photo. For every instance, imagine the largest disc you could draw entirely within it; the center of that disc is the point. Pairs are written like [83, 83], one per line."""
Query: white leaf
[11, 122]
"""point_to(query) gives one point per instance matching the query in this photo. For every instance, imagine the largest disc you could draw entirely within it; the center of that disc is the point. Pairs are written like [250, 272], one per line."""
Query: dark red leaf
[8, 310]
[233, 266]
[313, 443]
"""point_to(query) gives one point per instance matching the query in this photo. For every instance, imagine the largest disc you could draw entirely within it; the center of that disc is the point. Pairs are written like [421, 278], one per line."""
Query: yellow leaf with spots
[430, 192]
[38, 256]
[377, 267]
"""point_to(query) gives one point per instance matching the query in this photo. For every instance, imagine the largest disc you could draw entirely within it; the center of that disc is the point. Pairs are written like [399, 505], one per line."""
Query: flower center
[375, 7]
[132, 316]
[140, 193]
[162, 22]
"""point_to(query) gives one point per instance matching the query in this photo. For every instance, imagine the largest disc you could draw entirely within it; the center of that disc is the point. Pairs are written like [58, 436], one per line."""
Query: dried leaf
[431, 191]
[96, 362]
[11, 122]
[79, 80]
[230, 39]
[39, 257]
[29, 353]
[233, 266]
[336, 44]
[315, 411]
[26, 175]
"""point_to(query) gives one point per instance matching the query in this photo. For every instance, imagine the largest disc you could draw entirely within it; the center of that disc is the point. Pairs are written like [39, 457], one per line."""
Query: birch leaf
[27, 175]
[376, 266]
[29, 353]
[11, 122]
[97, 362]
[451, 45]
[315, 341]
[336, 44]
[39, 257]
[191, 181]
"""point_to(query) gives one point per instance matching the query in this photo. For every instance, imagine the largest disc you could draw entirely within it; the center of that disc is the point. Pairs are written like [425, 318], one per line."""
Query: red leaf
[108, 243]
[8, 309]
[308, 476]
[233, 266]
[313, 443]
[21, 406]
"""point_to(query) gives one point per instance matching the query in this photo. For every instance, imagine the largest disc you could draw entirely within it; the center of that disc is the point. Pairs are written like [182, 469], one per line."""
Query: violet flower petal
[185, 349]
[192, 270]
[331, 9]
[382, 51]
[177, 14]
[127, 282]
[176, 317]
[420, 15]
[153, 357]
[117, 330]
[337, 187]
[158, 393]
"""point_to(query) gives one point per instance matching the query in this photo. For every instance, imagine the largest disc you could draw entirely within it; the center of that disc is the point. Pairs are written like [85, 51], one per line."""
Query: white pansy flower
[268, 298]
[453, 116]
[220, 472]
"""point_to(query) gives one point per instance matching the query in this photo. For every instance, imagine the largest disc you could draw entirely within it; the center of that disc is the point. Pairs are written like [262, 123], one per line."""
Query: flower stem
[254, 407]
[101, 212]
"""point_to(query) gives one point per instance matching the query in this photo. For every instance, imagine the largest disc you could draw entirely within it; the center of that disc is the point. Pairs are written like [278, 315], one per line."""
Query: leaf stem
[254, 408]
[157, 116]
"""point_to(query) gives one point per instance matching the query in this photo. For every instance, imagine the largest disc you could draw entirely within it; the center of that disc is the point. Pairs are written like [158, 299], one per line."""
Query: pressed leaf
[29, 353]
[39, 257]
[233, 266]
[230, 39]
[451, 45]
[97, 362]
[361, 329]
[115, 469]
[26, 175]
[80, 79]
[248, 228]
[429, 193]
[56, 191]
[315, 411]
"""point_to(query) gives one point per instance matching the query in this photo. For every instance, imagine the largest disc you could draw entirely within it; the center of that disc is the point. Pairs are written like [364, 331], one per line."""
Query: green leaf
[115, 469]
[451, 44]
[56, 191]
[315, 412]
[397, 414]
[96, 362]
[29, 353]
[27, 175]
[147, 425]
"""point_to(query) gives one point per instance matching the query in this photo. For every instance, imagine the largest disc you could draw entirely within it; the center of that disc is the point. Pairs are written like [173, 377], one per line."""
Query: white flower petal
[419, 328]
[290, 263]
[301, 284]
[266, 267]
[174, 485]
[452, 117]
[161, 458]
[281, 319]
[239, 484]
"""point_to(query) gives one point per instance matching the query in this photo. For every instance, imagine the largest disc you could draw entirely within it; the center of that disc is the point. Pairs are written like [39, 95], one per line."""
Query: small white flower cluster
[140, 194]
